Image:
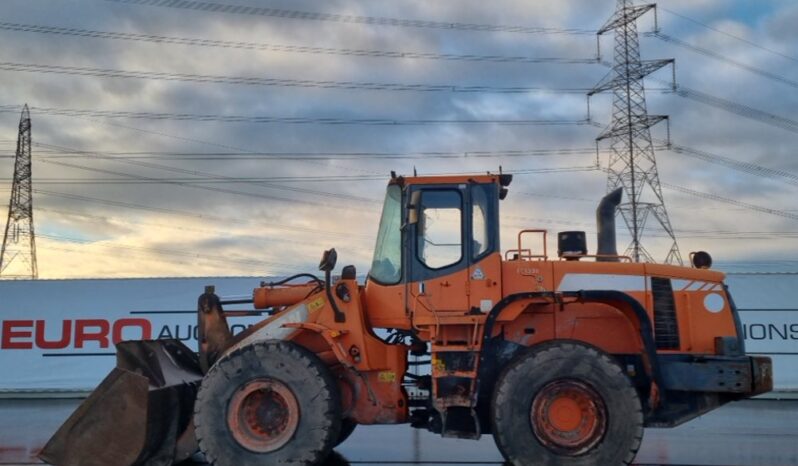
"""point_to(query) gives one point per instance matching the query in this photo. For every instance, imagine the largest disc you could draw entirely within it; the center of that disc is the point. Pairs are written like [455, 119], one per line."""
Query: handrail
[519, 253]
[520, 250]
[596, 256]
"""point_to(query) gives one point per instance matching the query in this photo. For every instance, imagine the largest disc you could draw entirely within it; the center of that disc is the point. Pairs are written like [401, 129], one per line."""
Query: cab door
[453, 247]
[437, 257]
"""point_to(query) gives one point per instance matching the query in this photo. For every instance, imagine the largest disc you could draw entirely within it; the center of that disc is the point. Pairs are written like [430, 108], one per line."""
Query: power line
[152, 132]
[702, 155]
[204, 217]
[192, 182]
[280, 156]
[270, 224]
[290, 48]
[201, 183]
[744, 236]
[745, 167]
[192, 262]
[135, 179]
[709, 53]
[733, 107]
[279, 82]
[211, 7]
[729, 106]
[196, 178]
[195, 174]
[127, 205]
[172, 226]
[556, 196]
[138, 180]
[733, 36]
[285, 120]
[748, 168]
[743, 110]
[169, 251]
[183, 213]
[182, 138]
[782, 176]
[229, 147]
[715, 197]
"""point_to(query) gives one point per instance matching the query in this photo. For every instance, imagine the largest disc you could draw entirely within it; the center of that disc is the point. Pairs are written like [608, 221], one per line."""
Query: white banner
[768, 306]
[60, 334]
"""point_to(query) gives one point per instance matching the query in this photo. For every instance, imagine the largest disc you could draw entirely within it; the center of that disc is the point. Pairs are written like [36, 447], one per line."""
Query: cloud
[257, 228]
[781, 27]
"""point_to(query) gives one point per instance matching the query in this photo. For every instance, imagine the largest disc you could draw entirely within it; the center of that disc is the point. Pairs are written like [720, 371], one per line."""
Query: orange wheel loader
[564, 359]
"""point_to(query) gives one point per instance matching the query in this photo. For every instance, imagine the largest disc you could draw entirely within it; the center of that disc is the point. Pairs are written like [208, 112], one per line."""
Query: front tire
[566, 404]
[268, 403]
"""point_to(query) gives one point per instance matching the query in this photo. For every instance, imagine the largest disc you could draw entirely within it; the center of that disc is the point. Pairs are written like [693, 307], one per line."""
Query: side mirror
[412, 208]
[328, 260]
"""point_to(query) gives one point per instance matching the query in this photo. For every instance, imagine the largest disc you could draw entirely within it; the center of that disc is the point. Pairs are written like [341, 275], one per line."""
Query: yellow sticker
[386, 376]
[316, 304]
[438, 364]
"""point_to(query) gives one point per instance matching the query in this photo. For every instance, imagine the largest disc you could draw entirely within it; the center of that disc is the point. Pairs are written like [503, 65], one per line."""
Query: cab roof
[501, 179]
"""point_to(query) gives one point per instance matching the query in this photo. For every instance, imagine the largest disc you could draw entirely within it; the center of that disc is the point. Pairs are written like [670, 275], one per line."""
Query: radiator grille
[666, 327]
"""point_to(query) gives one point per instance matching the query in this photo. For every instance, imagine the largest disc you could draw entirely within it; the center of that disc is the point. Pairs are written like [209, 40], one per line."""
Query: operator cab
[437, 231]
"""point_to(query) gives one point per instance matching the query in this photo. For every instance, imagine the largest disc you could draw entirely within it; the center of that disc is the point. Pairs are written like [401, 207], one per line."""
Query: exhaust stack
[605, 221]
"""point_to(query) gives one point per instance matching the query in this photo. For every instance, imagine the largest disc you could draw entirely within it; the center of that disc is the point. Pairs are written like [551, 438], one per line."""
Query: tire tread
[552, 352]
[235, 364]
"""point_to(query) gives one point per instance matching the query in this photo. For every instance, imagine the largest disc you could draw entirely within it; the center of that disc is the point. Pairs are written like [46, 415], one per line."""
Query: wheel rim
[569, 417]
[263, 415]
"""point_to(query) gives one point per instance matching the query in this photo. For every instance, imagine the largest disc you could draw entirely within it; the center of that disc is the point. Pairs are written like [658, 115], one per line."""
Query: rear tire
[268, 403]
[566, 404]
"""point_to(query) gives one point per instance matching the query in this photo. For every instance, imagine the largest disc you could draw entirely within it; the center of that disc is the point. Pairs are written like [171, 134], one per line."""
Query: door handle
[422, 288]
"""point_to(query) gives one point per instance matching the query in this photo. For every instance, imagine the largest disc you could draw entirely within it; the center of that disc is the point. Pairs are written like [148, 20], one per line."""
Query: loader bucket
[139, 415]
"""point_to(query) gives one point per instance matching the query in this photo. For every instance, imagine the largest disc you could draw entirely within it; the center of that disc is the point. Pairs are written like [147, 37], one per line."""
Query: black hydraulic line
[292, 278]
[237, 301]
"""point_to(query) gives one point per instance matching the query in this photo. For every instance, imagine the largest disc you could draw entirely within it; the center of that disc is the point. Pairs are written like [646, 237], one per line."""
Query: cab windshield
[386, 268]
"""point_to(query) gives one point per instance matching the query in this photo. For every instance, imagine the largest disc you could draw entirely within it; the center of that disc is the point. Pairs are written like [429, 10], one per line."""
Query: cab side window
[479, 221]
[440, 238]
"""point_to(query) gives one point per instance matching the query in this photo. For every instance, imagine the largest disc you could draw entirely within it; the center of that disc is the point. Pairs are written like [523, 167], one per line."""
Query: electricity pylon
[633, 163]
[18, 255]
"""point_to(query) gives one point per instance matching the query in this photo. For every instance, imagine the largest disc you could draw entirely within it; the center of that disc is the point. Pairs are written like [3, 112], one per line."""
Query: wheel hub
[263, 415]
[568, 417]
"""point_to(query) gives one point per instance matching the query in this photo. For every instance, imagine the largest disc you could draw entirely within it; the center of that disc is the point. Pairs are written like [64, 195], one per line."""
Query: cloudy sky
[251, 142]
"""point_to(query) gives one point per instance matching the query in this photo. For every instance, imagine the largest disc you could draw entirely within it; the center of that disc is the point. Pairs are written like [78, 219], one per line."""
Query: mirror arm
[340, 317]
[327, 264]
